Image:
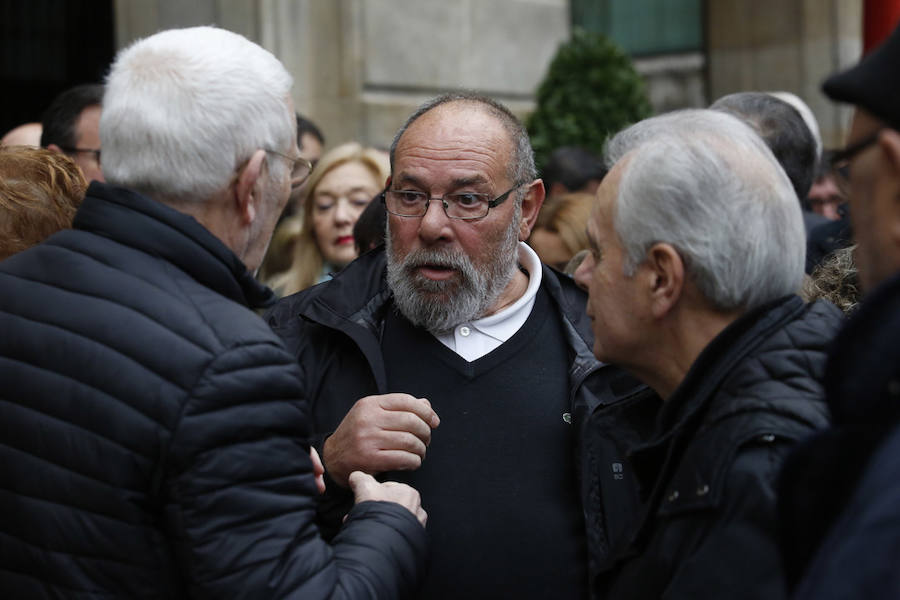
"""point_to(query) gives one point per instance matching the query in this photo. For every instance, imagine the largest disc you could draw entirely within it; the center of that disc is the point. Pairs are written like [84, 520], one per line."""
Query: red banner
[879, 19]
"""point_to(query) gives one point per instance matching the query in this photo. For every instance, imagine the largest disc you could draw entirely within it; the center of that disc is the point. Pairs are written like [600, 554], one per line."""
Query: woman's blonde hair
[307, 261]
[40, 191]
[566, 216]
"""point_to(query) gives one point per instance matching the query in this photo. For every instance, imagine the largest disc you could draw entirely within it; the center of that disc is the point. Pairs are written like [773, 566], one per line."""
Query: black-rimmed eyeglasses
[463, 205]
[840, 161]
[300, 168]
[72, 150]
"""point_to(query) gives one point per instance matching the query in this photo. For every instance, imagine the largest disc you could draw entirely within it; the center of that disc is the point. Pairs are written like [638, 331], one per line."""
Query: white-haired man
[154, 439]
[459, 311]
[697, 246]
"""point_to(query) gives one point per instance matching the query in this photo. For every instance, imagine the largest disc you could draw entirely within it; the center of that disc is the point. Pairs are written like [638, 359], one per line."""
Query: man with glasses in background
[71, 125]
[456, 323]
[155, 441]
[840, 493]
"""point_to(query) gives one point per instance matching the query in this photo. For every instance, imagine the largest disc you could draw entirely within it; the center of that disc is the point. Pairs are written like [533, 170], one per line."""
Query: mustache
[435, 258]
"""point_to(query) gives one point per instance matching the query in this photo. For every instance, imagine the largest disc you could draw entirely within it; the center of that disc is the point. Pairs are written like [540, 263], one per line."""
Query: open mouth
[435, 272]
[344, 240]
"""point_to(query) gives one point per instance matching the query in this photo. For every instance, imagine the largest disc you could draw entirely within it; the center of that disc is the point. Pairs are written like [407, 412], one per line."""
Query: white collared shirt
[474, 339]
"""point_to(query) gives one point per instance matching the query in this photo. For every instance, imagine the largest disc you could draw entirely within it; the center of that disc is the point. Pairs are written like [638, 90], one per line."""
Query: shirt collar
[504, 324]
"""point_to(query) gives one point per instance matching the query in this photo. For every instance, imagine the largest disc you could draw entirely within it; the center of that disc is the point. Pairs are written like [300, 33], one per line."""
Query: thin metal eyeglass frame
[490, 204]
[295, 183]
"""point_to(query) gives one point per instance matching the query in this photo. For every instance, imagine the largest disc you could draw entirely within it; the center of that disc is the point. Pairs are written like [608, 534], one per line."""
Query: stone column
[790, 45]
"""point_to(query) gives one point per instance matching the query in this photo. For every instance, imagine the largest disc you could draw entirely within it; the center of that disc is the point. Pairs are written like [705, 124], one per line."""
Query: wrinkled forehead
[459, 140]
[458, 124]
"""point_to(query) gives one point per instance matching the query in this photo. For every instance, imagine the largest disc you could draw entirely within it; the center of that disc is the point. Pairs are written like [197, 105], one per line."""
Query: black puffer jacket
[704, 474]
[153, 440]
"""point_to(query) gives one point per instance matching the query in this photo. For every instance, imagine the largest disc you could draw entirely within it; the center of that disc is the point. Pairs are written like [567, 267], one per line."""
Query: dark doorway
[47, 46]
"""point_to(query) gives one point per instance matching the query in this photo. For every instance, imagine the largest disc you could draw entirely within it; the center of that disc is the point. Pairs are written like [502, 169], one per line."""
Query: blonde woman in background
[342, 184]
[560, 233]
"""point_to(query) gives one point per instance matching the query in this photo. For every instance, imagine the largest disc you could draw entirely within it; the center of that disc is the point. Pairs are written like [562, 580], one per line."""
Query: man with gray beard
[458, 318]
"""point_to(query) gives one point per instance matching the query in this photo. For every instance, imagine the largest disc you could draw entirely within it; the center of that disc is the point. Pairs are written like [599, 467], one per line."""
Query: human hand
[318, 469]
[389, 432]
[365, 487]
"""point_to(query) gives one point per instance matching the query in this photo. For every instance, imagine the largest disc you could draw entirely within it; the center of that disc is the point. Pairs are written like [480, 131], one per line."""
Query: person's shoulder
[571, 299]
[782, 359]
[348, 292]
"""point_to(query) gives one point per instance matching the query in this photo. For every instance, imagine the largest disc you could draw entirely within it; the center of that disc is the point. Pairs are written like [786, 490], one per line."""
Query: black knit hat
[873, 84]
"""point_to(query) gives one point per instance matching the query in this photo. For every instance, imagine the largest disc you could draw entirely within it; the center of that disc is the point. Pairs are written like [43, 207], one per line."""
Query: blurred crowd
[238, 360]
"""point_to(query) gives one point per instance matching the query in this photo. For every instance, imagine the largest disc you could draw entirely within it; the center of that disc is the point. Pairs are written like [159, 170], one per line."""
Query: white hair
[705, 183]
[808, 117]
[185, 107]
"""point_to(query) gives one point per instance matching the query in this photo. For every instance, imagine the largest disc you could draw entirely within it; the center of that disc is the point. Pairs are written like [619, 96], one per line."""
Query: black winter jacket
[840, 490]
[703, 474]
[335, 328]
[154, 440]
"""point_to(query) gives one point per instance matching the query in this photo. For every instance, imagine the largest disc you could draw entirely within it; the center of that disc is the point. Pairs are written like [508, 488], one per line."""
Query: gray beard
[439, 306]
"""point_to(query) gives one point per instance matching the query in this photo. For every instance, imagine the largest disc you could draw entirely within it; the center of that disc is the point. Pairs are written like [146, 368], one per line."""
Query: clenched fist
[389, 432]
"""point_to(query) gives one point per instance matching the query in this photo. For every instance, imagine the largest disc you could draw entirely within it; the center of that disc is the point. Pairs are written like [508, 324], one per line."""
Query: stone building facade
[361, 66]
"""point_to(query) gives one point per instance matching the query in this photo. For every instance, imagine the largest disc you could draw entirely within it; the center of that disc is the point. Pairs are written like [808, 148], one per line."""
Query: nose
[434, 224]
[343, 214]
[583, 272]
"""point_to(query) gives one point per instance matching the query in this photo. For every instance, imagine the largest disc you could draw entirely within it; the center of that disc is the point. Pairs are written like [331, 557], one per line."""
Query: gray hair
[184, 108]
[705, 183]
[783, 129]
[521, 169]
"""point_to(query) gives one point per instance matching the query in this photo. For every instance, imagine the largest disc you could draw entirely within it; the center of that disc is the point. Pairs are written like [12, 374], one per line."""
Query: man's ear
[889, 140]
[531, 206]
[54, 148]
[246, 194]
[664, 273]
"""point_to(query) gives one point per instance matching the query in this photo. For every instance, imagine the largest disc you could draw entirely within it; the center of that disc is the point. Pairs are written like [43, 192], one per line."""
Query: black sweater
[504, 514]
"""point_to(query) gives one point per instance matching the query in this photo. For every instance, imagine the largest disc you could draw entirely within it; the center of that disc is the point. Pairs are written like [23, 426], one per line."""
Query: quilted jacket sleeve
[240, 496]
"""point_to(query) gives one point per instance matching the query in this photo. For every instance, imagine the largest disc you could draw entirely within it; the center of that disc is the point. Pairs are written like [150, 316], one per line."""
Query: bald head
[458, 106]
[28, 134]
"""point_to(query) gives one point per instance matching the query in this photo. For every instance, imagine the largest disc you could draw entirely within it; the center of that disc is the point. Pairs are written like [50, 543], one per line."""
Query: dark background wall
[47, 46]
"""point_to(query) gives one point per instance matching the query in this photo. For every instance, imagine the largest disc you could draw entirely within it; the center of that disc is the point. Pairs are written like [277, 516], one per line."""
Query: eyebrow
[405, 179]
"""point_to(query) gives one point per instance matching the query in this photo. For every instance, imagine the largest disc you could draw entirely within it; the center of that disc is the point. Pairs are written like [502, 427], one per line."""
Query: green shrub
[591, 90]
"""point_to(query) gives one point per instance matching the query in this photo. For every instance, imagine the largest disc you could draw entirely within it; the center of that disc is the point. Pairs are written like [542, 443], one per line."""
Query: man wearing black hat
[840, 501]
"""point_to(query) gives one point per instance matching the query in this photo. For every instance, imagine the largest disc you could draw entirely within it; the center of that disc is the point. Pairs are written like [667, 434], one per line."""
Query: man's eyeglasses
[465, 205]
[71, 150]
[300, 169]
[840, 161]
